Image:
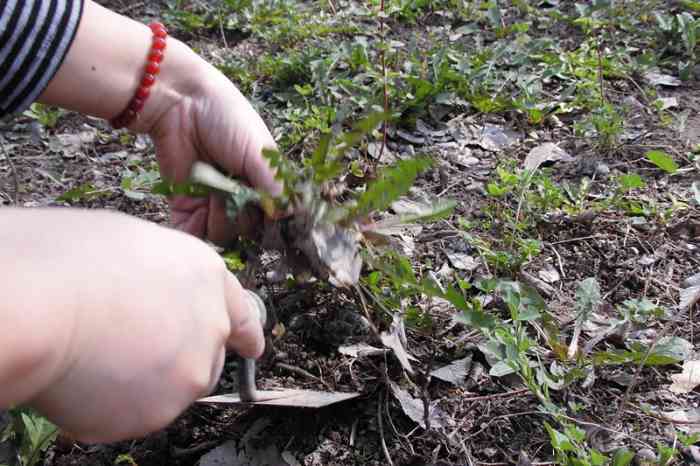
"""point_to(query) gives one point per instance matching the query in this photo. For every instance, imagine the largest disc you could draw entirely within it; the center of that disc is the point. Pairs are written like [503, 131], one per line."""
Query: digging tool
[249, 394]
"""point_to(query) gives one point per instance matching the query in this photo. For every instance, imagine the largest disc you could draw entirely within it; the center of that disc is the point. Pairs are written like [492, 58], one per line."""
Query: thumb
[246, 337]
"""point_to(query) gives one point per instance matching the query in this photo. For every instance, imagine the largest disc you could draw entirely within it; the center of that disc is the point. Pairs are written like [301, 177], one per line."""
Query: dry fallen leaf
[659, 79]
[359, 350]
[688, 420]
[455, 373]
[686, 381]
[547, 152]
[415, 409]
[462, 261]
[395, 339]
[691, 293]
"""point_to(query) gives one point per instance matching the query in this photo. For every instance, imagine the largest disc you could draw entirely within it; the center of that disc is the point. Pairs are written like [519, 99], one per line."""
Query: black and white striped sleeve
[35, 36]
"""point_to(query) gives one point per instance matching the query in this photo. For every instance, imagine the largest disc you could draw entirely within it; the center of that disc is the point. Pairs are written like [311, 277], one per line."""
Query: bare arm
[104, 66]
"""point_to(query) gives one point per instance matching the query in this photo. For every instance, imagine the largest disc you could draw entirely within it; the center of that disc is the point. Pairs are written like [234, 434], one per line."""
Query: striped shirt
[35, 36]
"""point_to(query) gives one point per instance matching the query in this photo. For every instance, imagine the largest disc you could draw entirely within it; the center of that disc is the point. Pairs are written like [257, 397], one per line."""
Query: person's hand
[138, 326]
[213, 123]
[193, 111]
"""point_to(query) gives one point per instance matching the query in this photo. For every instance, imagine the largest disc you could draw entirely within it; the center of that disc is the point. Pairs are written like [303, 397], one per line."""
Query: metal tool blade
[288, 398]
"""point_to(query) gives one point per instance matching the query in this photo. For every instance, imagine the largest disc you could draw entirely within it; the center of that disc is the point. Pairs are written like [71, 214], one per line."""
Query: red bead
[136, 104]
[158, 29]
[159, 43]
[143, 93]
[148, 80]
[152, 68]
[156, 56]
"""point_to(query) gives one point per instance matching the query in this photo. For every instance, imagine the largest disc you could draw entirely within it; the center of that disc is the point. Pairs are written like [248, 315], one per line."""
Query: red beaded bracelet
[155, 57]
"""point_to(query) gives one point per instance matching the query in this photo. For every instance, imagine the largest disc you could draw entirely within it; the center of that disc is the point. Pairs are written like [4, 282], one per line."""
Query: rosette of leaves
[321, 237]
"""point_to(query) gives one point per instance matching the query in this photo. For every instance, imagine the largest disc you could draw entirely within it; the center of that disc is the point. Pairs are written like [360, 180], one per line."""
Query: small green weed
[31, 433]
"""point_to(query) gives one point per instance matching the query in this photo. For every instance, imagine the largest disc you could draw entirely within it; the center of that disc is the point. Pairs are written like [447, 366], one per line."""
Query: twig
[601, 83]
[13, 170]
[221, 27]
[573, 240]
[497, 395]
[387, 456]
[303, 373]
[663, 418]
[365, 309]
[559, 261]
[182, 452]
[425, 395]
[330, 4]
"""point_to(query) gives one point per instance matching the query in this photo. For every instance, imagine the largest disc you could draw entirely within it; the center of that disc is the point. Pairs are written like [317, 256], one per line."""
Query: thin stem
[382, 56]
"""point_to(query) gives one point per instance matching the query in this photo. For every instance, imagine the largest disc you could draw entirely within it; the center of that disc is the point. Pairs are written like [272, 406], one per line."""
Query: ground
[484, 91]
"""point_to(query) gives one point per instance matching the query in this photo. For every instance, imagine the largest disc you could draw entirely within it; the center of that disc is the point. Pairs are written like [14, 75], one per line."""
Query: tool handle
[248, 391]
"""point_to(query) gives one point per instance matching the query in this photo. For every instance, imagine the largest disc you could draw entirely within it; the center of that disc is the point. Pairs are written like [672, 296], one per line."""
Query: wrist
[176, 84]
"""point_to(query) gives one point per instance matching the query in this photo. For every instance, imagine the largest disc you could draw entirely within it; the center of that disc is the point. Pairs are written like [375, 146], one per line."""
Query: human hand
[213, 122]
[193, 111]
[138, 327]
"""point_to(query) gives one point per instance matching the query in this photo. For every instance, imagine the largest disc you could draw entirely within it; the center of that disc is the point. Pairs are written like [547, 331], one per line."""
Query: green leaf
[691, 4]
[426, 213]
[361, 128]
[165, 188]
[666, 454]
[630, 181]
[597, 458]
[623, 457]
[501, 369]
[675, 348]
[662, 160]
[37, 434]
[125, 458]
[587, 299]
[285, 170]
[233, 261]
[83, 192]
[471, 312]
[669, 350]
[390, 185]
[559, 440]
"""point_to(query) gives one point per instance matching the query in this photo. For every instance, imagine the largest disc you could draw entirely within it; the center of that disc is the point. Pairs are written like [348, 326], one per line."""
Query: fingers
[246, 336]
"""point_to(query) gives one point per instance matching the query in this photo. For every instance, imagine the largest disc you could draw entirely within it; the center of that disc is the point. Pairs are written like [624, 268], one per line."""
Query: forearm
[105, 64]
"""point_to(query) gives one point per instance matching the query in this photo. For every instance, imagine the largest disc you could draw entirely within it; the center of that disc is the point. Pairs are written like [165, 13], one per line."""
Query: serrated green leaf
[285, 170]
[390, 185]
[360, 130]
[662, 160]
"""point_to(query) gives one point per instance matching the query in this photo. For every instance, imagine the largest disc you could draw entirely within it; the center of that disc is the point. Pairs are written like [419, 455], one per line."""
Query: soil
[488, 421]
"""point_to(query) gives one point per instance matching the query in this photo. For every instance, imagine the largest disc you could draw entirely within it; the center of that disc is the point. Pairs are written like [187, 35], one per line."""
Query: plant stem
[384, 76]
